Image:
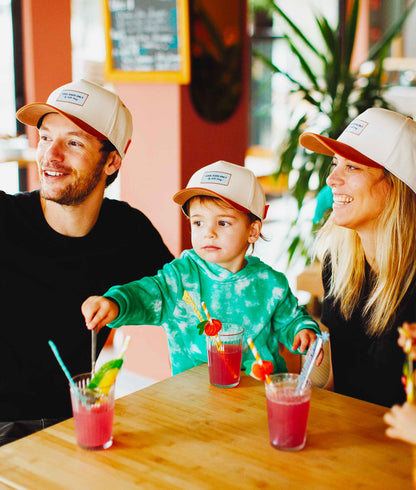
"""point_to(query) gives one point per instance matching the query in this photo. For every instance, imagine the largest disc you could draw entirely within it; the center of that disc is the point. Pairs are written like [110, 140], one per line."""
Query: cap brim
[31, 113]
[184, 195]
[328, 146]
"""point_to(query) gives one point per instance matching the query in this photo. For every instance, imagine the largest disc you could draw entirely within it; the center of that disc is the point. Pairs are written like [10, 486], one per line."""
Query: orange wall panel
[150, 173]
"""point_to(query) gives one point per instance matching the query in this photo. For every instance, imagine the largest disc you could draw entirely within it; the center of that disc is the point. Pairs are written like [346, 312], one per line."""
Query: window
[9, 144]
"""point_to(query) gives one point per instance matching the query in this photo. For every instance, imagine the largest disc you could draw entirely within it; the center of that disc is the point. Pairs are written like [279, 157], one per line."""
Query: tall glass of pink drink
[287, 411]
[224, 356]
[93, 415]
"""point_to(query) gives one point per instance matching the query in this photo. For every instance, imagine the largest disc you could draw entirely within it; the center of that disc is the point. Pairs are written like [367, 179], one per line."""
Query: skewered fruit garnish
[408, 381]
[106, 376]
[257, 370]
[408, 369]
[209, 327]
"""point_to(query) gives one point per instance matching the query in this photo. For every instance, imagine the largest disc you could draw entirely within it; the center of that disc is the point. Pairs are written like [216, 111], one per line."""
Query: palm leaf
[303, 63]
[299, 86]
[295, 28]
[328, 34]
[290, 147]
[332, 61]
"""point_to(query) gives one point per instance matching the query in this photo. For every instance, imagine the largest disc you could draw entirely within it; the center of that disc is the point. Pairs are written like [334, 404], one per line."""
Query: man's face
[70, 164]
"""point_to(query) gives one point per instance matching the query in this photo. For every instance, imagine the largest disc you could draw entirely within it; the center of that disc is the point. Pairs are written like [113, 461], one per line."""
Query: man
[60, 245]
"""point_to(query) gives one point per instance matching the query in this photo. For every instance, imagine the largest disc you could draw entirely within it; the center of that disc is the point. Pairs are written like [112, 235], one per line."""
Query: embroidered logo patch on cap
[356, 127]
[221, 178]
[73, 97]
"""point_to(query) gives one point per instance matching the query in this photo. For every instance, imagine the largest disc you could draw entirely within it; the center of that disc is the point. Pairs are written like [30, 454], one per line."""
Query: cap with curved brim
[183, 196]
[31, 113]
[233, 184]
[328, 146]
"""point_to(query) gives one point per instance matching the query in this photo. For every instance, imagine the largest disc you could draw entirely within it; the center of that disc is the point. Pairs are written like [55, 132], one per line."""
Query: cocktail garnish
[259, 361]
[408, 377]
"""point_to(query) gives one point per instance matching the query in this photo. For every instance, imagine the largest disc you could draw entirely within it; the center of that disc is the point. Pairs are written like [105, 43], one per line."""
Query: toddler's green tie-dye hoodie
[257, 298]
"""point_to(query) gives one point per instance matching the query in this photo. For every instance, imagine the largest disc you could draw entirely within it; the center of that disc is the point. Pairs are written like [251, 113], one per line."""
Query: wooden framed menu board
[147, 40]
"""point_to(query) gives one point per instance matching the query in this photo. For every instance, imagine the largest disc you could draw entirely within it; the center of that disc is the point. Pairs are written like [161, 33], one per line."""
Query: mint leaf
[201, 326]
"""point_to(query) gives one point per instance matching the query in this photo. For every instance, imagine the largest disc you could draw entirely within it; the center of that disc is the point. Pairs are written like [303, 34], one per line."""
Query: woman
[368, 252]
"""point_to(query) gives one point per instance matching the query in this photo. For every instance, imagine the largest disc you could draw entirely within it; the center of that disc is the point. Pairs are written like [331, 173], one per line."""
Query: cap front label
[72, 96]
[356, 127]
[222, 178]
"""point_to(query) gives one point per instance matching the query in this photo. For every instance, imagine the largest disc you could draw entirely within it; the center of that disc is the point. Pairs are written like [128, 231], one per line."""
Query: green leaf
[328, 35]
[201, 326]
[304, 64]
[294, 27]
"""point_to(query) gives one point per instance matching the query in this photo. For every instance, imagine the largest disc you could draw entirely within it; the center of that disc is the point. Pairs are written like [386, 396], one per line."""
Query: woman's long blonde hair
[395, 260]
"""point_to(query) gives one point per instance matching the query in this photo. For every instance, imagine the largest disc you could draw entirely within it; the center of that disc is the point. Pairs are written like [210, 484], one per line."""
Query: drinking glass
[93, 414]
[287, 411]
[224, 356]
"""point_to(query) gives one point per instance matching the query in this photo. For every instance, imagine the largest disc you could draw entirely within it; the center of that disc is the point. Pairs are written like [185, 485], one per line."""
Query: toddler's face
[220, 233]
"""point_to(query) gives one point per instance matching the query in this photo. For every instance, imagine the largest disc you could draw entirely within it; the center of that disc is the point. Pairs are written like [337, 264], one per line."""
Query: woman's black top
[366, 367]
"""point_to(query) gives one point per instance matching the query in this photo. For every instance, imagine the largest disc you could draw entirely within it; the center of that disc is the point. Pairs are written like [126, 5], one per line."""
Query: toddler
[225, 205]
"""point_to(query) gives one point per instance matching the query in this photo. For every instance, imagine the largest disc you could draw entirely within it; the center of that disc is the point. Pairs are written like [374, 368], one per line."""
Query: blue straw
[66, 372]
[61, 363]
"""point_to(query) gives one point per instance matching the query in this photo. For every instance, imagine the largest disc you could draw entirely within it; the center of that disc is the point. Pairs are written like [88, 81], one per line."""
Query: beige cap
[377, 138]
[236, 185]
[91, 107]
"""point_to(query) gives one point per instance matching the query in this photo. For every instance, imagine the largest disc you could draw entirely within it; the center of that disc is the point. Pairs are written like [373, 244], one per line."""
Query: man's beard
[76, 192]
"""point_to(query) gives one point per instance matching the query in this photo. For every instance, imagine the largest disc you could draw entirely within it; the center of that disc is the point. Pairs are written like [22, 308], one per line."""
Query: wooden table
[184, 433]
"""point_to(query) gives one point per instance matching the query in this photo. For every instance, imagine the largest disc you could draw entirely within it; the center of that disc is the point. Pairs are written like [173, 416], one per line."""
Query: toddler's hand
[407, 338]
[99, 311]
[303, 340]
[402, 422]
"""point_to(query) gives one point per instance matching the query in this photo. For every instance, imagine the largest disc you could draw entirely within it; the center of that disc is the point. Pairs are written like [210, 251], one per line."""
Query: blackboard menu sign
[147, 40]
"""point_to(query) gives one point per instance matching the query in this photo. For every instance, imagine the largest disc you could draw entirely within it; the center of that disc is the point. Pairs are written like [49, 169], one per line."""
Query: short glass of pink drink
[93, 414]
[224, 356]
[287, 411]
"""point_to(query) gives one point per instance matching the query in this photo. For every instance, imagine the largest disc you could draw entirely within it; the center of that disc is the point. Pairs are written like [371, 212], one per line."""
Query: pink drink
[224, 365]
[224, 353]
[287, 412]
[93, 414]
[94, 425]
[287, 423]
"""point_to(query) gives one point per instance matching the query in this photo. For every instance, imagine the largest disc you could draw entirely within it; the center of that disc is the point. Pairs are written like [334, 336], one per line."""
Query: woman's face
[360, 194]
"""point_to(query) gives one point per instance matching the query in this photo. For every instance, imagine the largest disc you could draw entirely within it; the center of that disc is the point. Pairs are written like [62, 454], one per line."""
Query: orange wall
[150, 174]
[204, 142]
[46, 55]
